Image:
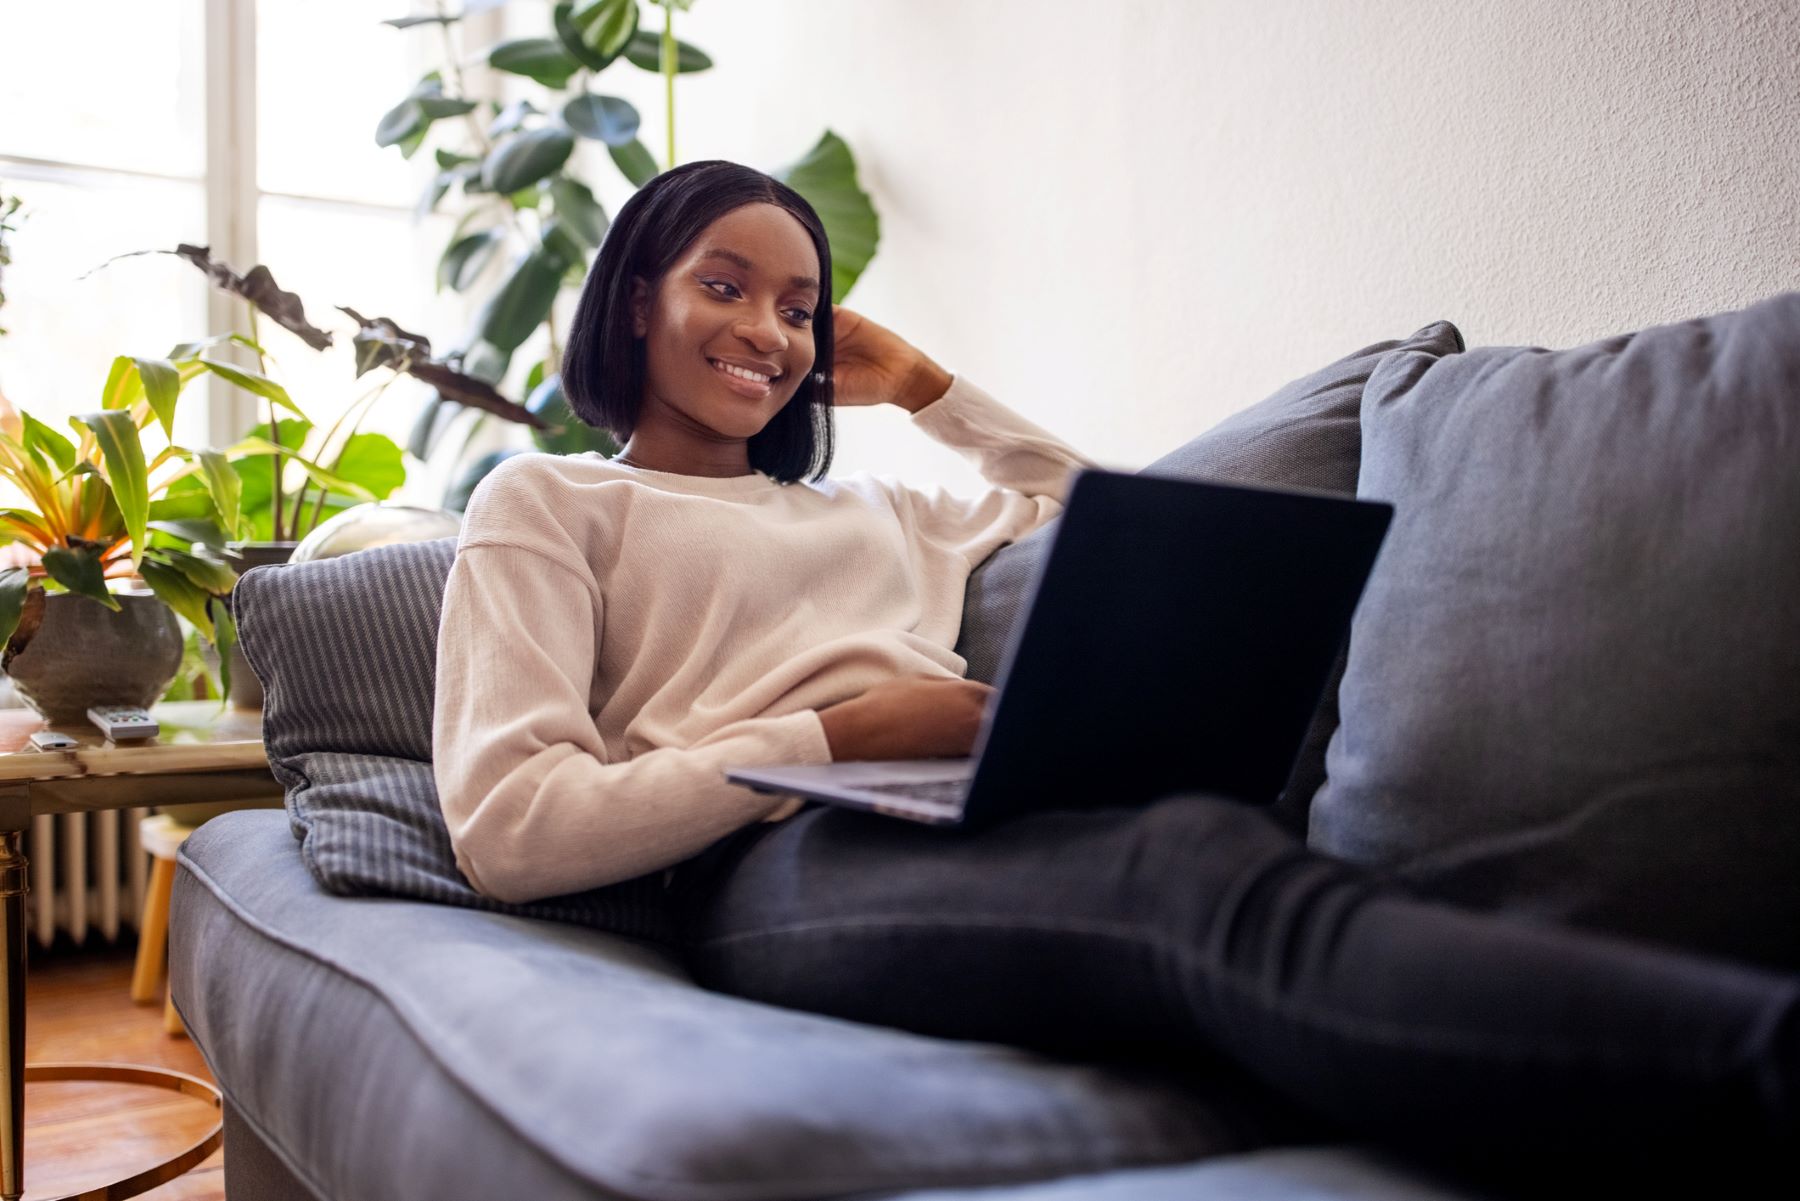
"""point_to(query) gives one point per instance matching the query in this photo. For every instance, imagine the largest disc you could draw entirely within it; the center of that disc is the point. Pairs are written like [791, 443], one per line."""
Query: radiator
[88, 872]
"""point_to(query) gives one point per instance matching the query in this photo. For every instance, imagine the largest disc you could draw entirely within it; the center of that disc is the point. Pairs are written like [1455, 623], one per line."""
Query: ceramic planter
[84, 654]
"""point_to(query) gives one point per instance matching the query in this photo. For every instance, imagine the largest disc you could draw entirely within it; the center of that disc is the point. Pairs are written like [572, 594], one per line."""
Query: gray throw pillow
[1574, 680]
[1306, 435]
[346, 650]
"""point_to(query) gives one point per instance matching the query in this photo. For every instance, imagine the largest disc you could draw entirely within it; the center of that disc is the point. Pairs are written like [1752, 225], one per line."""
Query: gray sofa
[380, 1031]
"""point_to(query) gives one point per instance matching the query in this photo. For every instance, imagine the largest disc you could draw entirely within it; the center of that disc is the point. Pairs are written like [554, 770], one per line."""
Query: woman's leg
[1196, 923]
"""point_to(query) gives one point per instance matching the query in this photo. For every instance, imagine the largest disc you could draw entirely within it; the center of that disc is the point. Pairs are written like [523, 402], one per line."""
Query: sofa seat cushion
[401, 1049]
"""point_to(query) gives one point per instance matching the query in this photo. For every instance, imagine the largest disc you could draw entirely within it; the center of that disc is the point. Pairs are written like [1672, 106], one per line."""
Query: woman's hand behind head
[874, 365]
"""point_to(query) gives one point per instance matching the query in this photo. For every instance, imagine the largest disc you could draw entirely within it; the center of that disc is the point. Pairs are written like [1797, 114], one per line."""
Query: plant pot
[246, 690]
[83, 654]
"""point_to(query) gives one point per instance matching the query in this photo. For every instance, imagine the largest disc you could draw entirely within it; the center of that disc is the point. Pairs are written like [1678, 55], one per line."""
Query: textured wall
[1128, 220]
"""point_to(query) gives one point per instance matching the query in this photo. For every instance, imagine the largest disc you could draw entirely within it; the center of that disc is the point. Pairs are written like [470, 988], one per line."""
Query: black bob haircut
[603, 365]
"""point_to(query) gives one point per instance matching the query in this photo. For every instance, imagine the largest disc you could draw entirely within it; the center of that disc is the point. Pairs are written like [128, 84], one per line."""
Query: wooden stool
[162, 837]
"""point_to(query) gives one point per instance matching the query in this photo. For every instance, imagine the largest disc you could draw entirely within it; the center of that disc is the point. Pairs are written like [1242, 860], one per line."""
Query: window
[245, 125]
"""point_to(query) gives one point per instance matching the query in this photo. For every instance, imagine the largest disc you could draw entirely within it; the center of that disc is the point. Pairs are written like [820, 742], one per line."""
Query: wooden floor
[79, 1135]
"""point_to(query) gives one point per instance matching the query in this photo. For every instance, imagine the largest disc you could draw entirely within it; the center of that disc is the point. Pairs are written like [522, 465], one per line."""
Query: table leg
[12, 999]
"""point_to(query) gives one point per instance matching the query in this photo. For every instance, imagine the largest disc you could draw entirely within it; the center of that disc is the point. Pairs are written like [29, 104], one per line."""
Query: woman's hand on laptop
[913, 717]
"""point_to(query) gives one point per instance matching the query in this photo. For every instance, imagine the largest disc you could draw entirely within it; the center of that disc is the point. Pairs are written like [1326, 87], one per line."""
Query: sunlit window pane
[326, 72]
[116, 83]
[66, 324]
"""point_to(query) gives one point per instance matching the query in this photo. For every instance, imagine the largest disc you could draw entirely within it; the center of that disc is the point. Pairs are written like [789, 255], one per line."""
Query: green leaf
[256, 476]
[162, 386]
[253, 446]
[604, 27]
[39, 436]
[80, 571]
[180, 593]
[513, 313]
[512, 117]
[186, 500]
[224, 637]
[604, 118]
[575, 204]
[209, 575]
[400, 123]
[123, 455]
[405, 124]
[190, 532]
[561, 244]
[373, 461]
[123, 387]
[433, 195]
[436, 108]
[487, 362]
[645, 50]
[464, 258]
[250, 381]
[526, 157]
[542, 59]
[634, 161]
[190, 351]
[571, 40]
[422, 19]
[446, 159]
[13, 584]
[568, 434]
[826, 176]
[223, 485]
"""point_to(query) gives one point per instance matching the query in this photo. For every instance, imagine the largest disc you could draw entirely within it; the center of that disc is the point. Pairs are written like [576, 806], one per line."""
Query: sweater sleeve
[533, 806]
[1030, 467]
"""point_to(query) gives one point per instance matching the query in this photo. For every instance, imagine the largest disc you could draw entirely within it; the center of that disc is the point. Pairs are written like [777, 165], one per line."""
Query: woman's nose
[763, 331]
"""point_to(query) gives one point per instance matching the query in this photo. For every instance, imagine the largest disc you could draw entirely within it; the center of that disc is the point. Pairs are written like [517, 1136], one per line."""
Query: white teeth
[742, 373]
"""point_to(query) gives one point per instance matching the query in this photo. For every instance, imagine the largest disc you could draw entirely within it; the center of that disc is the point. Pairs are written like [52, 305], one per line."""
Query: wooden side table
[203, 753]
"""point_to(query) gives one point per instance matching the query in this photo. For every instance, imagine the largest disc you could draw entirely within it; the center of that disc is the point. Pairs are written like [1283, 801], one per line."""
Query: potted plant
[104, 559]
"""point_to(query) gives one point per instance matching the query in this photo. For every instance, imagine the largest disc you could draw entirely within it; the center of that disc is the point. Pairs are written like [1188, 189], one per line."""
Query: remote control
[52, 740]
[123, 723]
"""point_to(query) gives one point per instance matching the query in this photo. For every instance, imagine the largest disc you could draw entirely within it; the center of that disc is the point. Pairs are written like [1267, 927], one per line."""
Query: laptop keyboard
[946, 791]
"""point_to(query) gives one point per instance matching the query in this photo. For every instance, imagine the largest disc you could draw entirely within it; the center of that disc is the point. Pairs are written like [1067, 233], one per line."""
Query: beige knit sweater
[613, 638]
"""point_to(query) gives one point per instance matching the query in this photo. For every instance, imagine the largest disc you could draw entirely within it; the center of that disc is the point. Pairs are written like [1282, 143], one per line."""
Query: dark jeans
[1195, 926]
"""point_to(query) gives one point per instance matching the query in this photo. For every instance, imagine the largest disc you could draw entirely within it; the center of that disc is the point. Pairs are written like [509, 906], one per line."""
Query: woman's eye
[723, 287]
[799, 316]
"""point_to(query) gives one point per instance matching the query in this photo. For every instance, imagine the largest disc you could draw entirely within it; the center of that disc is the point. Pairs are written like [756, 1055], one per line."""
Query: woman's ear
[640, 307]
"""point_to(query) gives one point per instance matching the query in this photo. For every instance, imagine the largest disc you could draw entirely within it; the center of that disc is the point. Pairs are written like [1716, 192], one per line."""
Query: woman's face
[728, 329]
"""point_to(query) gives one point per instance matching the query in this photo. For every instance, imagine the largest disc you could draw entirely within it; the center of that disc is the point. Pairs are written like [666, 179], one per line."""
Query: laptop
[1178, 638]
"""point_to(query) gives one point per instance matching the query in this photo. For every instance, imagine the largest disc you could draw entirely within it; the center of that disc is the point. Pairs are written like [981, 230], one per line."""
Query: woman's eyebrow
[732, 256]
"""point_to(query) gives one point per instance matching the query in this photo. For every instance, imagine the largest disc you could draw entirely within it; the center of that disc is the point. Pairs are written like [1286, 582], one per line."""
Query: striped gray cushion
[346, 650]
[1307, 435]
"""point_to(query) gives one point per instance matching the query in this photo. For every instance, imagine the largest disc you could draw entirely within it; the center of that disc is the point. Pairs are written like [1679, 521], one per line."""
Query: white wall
[1128, 220]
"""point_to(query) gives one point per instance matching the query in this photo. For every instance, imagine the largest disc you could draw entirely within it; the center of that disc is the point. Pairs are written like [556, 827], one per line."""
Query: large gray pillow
[1574, 680]
[1306, 435]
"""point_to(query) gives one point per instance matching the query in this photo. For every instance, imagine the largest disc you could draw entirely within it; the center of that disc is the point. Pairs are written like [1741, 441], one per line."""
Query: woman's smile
[745, 380]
